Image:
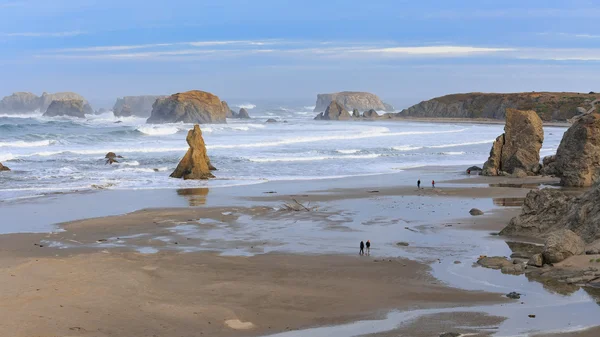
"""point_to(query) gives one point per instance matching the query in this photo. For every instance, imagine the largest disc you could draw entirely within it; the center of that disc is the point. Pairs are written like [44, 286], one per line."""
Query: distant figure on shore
[419, 183]
[362, 248]
[433, 184]
[469, 172]
[368, 247]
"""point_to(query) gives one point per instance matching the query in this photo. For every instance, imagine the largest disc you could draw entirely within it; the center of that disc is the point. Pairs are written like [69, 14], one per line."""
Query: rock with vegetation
[517, 151]
[3, 168]
[351, 100]
[195, 164]
[71, 108]
[188, 107]
[140, 106]
[577, 160]
[550, 106]
[561, 245]
[335, 111]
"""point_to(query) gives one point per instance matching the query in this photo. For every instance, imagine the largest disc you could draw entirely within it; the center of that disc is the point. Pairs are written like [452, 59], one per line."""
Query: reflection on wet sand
[509, 202]
[195, 196]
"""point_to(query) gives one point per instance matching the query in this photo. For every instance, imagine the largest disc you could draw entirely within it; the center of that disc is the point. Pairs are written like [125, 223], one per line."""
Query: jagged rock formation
[3, 168]
[195, 164]
[21, 102]
[189, 107]
[228, 112]
[577, 160]
[243, 114]
[335, 111]
[72, 108]
[560, 106]
[517, 151]
[351, 100]
[548, 210]
[137, 105]
[371, 114]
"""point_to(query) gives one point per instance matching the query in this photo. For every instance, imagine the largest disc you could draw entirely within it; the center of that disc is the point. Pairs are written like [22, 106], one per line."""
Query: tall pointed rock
[195, 164]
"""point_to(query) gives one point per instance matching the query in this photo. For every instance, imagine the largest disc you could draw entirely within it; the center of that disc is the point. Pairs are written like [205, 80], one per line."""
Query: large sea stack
[351, 100]
[559, 106]
[71, 108]
[189, 107]
[22, 102]
[195, 164]
[517, 151]
[577, 160]
[335, 111]
[46, 99]
[135, 105]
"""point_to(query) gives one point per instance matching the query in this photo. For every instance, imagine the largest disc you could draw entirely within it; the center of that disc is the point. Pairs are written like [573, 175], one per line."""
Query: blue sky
[404, 51]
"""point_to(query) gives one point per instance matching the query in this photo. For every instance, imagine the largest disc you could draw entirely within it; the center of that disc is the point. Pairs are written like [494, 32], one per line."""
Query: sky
[404, 51]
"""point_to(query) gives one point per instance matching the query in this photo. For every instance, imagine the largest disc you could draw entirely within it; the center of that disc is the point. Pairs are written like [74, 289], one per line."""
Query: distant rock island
[23, 102]
[70, 107]
[550, 106]
[189, 107]
[350, 100]
[140, 106]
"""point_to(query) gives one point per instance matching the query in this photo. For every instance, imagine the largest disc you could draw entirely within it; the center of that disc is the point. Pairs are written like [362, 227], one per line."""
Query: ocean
[61, 155]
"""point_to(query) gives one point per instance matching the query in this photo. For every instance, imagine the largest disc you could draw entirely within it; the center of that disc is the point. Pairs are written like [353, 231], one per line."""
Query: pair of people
[419, 183]
[362, 248]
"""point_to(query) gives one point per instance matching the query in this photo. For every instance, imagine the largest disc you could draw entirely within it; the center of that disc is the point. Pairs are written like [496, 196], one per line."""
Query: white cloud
[434, 50]
[44, 34]
[160, 45]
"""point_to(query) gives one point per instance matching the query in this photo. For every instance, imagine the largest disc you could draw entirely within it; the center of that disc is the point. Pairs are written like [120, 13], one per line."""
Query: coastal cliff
[550, 106]
[351, 100]
[135, 105]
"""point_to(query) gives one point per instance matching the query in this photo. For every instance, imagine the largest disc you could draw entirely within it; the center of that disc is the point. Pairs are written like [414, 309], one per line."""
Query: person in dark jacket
[362, 248]
[419, 183]
[368, 247]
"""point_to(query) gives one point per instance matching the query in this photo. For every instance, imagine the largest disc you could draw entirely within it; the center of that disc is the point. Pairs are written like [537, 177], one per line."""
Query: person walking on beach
[362, 248]
[419, 183]
[433, 184]
[368, 247]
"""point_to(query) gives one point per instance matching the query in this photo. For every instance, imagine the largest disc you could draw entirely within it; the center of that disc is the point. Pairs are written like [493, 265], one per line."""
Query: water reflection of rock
[509, 202]
[594, 292]
[195, 196]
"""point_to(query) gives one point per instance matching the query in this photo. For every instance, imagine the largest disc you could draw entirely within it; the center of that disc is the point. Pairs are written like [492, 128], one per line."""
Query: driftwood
[297, 206]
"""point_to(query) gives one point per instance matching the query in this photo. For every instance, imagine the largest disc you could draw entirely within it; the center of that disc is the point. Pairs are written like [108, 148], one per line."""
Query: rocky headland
[135, 105]
[22, 102]
[195, 164]
[189, 107]
[550, 106]
[72, 108]
[517, 151]
[351, 100]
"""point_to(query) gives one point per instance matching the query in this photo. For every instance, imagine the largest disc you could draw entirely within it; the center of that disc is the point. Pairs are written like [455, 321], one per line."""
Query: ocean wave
[460, 144]
[6, 157]
[318, 158]
[101, 151]
[130, 163]
[246, 105]
[311, 108]
[406, 148]
[347, 151]
[25, 115]
[452, 153]
[21, 143]
[158, 130]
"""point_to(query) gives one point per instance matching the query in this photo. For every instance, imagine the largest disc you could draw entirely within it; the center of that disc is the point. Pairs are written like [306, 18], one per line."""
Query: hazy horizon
[402, 51]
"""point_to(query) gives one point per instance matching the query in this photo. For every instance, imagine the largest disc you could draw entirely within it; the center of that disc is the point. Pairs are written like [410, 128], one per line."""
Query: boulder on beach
[475, 212]
[243, 114]
[494, 262]
[577, 160]
[71, 108]
[548, 166]
[195, 164]
[335, 111]
[517, 151]
[188, 107]
[351, 100]
[140, 106]
[370, 114]
[3, 168]
[473, 169]
[561, 245]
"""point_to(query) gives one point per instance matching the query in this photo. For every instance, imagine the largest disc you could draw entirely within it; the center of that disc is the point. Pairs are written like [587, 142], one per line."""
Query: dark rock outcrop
[577, 160]
[549, 106]
[271, 120]
[195, 164]
[71, 108]
[350, 100]
[475, 212]
[111, 158]
[46, 100]
[243, 114]
[189, 107]
[355, 113]
[135, 105]
[517, 151]
[549, 166]
[370, 114]
[550, 210]
[3, 168]
[561, 245]
[335, 111]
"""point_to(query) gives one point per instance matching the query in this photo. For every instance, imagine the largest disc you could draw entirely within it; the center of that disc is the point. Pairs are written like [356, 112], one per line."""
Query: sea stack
[188, 107]
[517, 151]
[135, 105]
[351, 100]
[335, 111]
[195, 164]
[3, 168]
[243, 114]
[577, 160]
[71, 107]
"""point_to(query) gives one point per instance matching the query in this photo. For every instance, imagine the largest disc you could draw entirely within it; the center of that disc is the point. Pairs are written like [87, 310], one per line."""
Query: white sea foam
[460, 144]
[310, 108]
[406, 148]
[246, 105]
[347, 151]
[452, 153]
[316, 158]
[21, 143]
[158, 130]
[131, 163]
[6, 157]
[25, 115]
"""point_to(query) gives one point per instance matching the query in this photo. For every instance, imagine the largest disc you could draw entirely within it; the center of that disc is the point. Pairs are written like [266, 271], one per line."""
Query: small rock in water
[404, 244]
[457, 262]
[475, 212]
[531, 316]
[514, 295]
